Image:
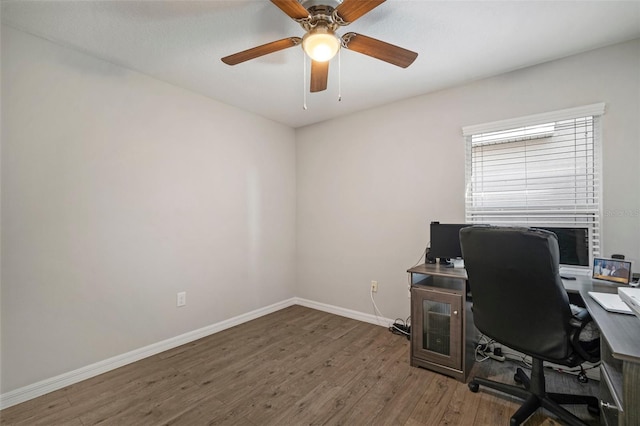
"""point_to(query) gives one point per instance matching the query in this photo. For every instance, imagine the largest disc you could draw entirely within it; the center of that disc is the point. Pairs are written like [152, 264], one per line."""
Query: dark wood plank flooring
[296, 366]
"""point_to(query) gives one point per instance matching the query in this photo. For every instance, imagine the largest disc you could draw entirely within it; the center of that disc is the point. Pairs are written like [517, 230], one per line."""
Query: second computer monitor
[445, 240]
[573, 244]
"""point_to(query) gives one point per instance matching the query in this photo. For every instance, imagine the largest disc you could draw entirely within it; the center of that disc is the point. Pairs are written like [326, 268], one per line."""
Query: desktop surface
[439, 270]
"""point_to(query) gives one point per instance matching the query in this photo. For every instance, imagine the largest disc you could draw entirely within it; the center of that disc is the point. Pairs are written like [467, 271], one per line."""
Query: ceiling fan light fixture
[320, 43]
[320, 19]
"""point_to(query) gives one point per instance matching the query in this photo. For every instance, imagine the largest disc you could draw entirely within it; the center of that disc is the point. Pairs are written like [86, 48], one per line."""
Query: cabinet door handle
[455, 312]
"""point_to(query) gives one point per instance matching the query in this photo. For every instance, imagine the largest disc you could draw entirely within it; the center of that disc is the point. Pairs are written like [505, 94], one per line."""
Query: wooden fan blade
[292, 8]
[350, 10]
[319, 76]
[262, 50]
[379, 49]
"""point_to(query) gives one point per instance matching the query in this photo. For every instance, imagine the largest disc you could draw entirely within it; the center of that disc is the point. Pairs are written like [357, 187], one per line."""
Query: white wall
[118, 191]
[370, 183]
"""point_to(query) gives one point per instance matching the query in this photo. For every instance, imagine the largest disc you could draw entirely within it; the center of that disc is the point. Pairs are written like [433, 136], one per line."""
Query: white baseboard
[43, 387]
[343, 312]
[37, 389]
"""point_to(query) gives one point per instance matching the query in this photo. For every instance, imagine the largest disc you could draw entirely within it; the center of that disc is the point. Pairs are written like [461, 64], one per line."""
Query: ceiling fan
[320, 21]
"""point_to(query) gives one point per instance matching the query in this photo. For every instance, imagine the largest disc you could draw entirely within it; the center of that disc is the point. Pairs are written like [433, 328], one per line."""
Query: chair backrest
[518, 296]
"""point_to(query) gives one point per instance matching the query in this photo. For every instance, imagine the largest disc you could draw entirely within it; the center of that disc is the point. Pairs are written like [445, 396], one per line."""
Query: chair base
[535, 396]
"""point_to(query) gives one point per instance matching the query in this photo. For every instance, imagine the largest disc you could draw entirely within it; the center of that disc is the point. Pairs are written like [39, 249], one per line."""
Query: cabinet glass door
[438, 327]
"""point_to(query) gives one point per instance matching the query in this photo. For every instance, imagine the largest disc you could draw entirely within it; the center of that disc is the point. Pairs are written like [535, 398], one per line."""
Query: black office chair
[520, 302]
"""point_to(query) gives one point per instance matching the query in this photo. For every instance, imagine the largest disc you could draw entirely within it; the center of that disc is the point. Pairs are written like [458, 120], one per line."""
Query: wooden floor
[293, 367]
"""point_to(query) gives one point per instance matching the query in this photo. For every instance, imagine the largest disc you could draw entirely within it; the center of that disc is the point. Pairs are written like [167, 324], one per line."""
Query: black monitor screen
[445, 240]
[573, 244]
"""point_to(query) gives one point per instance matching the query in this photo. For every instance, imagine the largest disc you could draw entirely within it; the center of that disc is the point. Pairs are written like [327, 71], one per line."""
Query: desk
[620, 337]
[620, 355]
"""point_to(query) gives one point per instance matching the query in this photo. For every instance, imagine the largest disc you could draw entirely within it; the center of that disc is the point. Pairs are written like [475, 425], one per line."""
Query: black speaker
[428, 257]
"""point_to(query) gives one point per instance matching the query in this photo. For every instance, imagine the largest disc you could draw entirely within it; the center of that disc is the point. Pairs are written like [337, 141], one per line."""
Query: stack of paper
[631, 296]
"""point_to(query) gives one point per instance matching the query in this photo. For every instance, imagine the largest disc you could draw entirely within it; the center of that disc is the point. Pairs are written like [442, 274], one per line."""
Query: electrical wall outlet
[181, 298]
[374, 286]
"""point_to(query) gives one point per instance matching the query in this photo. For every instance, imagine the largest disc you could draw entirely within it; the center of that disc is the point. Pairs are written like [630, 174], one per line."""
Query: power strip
[489, 352]
[401, 329]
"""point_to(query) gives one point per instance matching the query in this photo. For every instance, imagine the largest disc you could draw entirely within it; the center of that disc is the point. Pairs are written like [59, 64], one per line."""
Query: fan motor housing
[311, 3]
[320, 16]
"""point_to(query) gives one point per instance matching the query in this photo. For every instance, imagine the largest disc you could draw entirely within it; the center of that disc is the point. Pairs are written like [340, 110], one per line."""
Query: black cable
[402, 328]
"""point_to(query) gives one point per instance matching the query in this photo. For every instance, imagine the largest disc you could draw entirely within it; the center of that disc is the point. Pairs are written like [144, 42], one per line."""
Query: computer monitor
[445, 240]
[573, 244]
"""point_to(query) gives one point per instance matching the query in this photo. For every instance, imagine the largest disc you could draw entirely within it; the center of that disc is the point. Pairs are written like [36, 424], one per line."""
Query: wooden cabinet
[437, 326]
[610, 386]
[619, 389]
[441, 323]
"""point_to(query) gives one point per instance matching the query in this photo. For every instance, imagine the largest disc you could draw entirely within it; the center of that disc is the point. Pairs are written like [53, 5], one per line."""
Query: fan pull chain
[339, 76]
[304, 81]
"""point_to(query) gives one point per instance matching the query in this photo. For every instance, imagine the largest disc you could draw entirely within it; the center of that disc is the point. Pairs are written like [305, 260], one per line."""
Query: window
[541, 170]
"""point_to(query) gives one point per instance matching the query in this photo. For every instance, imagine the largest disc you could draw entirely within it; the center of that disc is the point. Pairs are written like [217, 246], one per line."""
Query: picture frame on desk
[613, 270]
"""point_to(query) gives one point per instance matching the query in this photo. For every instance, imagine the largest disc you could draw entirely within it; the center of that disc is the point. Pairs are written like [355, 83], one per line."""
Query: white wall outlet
[374, 286]
[181, 299]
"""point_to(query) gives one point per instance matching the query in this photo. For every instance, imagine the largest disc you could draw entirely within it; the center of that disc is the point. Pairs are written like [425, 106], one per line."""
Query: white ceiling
[181, 42]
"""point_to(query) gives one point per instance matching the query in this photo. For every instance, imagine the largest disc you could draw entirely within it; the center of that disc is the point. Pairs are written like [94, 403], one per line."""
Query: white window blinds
[541, 170]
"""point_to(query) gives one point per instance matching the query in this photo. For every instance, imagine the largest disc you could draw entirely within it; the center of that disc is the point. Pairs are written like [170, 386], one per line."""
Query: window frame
[520, 129]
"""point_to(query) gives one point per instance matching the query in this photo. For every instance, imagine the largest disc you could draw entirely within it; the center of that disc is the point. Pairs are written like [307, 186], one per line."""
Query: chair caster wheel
[473, 387]
[517, 379]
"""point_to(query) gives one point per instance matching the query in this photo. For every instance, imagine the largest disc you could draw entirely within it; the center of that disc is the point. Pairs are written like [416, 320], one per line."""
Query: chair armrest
[582, 315]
